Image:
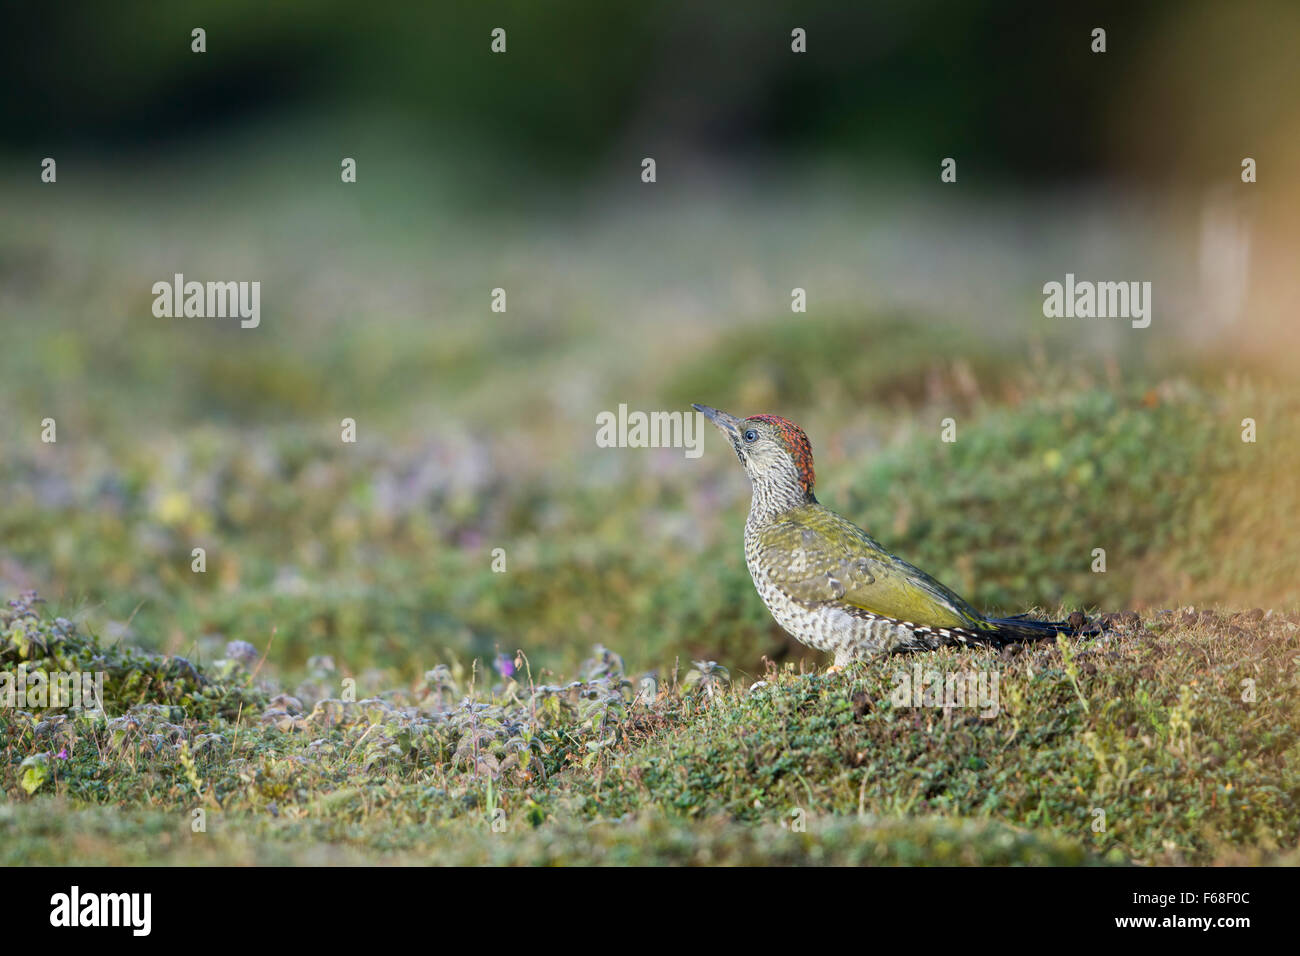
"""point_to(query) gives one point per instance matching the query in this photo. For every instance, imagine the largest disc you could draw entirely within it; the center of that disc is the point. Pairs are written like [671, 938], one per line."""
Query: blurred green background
[522, 171]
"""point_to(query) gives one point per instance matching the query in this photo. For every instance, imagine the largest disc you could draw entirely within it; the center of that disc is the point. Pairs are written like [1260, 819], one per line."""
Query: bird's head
[775, 452]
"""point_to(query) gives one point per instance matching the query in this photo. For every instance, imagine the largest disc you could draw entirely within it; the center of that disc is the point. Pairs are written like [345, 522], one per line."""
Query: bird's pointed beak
[729, 425]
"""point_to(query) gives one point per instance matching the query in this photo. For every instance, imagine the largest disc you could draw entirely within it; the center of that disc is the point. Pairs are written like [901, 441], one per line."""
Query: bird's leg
[842, 659]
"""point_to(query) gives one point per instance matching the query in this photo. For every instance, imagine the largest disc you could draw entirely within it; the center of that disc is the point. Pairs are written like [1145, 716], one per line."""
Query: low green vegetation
[385, 561]
[1170, 739]
[351, 670]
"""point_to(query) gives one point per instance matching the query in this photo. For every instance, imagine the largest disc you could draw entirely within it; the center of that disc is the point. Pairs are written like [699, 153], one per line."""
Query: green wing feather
[817, 557]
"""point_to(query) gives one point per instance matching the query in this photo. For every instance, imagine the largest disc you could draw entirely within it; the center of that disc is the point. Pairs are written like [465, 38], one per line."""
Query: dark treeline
[1011, 84]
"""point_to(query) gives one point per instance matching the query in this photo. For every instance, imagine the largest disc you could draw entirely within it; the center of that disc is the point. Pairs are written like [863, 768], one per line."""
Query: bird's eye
[751, 435]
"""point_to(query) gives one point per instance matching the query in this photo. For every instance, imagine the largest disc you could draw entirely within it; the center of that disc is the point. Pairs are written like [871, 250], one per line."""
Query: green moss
[1137, 746]
[1012, 511]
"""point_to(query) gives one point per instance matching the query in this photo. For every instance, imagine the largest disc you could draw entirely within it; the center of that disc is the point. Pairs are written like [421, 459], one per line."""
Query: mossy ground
[373, 563]
[1171, 739]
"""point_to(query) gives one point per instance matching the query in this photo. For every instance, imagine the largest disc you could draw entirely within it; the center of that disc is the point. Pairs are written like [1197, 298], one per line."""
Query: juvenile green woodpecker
[828, 582]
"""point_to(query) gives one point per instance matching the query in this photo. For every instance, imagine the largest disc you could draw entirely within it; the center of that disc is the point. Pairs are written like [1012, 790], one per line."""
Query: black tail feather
[1021, 627]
